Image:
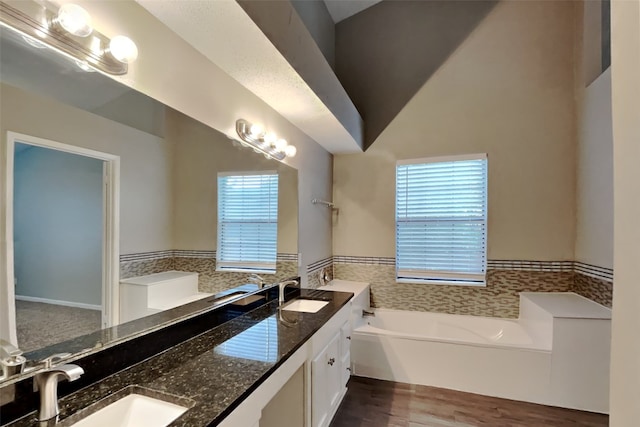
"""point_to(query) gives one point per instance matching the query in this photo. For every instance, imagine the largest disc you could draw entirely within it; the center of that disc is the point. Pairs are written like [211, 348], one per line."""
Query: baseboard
[58, 302]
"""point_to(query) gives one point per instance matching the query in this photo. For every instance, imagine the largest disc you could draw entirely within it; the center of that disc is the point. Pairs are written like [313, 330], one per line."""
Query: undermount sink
[305, 305]
[134, 410]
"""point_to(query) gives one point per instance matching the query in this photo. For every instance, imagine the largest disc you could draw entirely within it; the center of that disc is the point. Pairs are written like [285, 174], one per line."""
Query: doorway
[61, 241]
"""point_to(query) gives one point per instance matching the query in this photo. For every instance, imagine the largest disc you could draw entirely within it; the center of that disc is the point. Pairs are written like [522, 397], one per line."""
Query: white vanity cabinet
[330, 370]
[326, 383]
[324, 365]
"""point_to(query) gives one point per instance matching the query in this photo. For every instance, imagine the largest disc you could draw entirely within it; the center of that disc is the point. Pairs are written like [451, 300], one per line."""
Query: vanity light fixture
[67, 30]
[267, 143]
[74, 20]
[123, 49]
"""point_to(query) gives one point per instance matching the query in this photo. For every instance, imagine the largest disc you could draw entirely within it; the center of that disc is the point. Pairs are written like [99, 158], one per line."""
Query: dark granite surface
[218, 369]
[106, 337]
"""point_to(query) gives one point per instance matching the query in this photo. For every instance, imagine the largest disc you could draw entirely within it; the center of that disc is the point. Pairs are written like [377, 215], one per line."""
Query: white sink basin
[134, 410]
[305, 305]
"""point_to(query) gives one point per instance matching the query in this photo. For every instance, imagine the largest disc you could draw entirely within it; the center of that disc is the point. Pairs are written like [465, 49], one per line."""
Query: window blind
[441, 220]
[247, 221]
[259, 342]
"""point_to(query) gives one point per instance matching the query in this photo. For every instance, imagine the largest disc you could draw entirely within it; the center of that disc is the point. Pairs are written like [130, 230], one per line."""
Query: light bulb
[281, 144]
[270, 138]
[74, 19]
[123, 49]
[255, 131]
[290, 151]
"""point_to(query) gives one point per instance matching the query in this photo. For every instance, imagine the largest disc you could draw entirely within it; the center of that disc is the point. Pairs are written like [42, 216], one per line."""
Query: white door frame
[111, 223]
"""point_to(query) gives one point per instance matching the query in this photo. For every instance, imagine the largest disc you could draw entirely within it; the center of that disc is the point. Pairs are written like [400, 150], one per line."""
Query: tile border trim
[147, 256]
[315, 266]
[184, 253]
[525, 265]
[578, 267]
[594, 271]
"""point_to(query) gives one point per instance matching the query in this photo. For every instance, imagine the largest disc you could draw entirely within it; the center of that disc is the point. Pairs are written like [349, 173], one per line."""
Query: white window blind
[259, 342]
[247, 221]
[441, 220]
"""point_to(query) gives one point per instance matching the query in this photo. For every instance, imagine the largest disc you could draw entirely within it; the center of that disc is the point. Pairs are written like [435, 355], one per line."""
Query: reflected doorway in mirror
[87, 308]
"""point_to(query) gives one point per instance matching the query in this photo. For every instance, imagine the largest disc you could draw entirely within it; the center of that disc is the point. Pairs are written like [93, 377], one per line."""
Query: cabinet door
[325, 383]
[345, 353]
[334, 374]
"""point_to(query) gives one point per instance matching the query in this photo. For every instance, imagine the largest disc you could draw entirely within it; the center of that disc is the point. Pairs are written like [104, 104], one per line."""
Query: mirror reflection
[120, 207]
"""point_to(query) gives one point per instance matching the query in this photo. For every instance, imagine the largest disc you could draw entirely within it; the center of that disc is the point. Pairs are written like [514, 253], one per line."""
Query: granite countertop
[215, 371]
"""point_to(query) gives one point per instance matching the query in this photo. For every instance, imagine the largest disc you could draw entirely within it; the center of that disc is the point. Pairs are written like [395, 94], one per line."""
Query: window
[441, 220]
[259, 342]
[247, 221]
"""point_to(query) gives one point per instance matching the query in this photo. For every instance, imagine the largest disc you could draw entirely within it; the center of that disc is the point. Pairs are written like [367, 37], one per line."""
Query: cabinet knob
[349, 337]
[349, 369]
[332, 361]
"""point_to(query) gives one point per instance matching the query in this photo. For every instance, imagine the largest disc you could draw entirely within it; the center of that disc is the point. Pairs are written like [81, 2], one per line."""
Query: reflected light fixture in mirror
[66, 30]
[268, 143]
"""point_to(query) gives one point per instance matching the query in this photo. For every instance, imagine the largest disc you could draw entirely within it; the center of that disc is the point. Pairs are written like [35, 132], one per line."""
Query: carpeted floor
[40, 325]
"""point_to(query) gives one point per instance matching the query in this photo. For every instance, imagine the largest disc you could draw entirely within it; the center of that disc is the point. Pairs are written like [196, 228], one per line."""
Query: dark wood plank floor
[375, 403]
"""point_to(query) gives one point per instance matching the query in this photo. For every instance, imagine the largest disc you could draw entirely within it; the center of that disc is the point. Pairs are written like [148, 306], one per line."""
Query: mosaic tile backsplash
[500, 298]
[203, 263]
[319, 273]
[505, 280]
[598, 290]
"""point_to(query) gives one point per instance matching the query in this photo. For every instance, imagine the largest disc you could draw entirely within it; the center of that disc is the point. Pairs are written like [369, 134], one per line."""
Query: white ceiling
[343, 9]
[227, 36]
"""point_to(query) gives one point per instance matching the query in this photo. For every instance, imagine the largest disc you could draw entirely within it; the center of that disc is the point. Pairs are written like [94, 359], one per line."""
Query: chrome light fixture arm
[254, 136]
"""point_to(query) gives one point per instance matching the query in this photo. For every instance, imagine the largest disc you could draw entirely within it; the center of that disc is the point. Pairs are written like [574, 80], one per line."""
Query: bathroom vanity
[229, 374]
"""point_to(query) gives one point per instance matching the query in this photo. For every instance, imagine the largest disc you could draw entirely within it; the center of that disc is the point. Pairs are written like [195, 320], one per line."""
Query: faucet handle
[53, 359]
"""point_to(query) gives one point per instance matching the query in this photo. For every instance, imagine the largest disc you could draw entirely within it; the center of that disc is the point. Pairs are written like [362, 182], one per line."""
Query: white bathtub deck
[539, 358]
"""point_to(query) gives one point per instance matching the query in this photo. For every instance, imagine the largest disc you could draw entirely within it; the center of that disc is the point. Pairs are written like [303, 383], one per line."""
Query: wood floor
[375, 403]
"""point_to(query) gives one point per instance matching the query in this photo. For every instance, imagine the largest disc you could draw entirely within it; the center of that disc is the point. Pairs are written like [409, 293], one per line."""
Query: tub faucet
[47, 383]
[283, 285]
[368, 313]
[258, 280]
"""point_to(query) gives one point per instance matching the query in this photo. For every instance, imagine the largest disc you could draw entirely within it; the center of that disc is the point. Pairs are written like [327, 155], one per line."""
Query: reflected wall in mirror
[168, 201]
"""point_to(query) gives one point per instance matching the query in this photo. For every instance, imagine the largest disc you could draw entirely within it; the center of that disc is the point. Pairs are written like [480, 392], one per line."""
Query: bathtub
[449, 328]
[490, 356]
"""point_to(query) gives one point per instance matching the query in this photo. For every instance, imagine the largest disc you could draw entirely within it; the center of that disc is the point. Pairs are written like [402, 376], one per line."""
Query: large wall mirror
[80, 148]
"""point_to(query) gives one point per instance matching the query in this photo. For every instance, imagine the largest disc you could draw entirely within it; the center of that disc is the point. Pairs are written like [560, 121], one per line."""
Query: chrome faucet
[47, 383]
[282, 286]
[11, 359]
[258, 280]
[368, 313]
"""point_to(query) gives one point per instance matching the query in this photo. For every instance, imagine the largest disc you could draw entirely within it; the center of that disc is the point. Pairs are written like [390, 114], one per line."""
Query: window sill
[418, 281]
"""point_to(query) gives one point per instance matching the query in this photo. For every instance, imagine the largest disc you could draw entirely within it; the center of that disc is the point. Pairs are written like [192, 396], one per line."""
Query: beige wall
[145, 175]
[173, 72]
[202, 152]
[507, 91]
[594, 195]
[625, 346]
